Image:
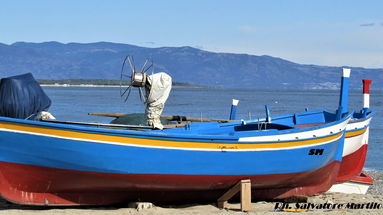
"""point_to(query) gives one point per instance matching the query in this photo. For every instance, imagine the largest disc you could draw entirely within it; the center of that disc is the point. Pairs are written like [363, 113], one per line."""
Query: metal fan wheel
[138, 79]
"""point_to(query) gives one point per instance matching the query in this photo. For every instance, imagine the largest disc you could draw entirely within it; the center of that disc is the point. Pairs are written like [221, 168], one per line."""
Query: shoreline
[112, 86]
[194, 87]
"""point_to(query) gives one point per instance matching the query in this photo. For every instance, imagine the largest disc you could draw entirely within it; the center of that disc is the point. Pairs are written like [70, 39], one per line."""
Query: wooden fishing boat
[59, 164]
[64, 163]
[356, 142]
[355, 147]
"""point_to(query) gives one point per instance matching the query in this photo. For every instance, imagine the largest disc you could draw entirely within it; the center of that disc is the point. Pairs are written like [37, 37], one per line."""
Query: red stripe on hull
[352, 164]
[34, 185]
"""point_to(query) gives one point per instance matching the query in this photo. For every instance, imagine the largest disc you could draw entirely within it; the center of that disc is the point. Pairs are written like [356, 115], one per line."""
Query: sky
[323, 32]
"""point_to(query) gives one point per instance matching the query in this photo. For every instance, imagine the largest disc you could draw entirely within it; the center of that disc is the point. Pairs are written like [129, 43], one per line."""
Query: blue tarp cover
[22, 97]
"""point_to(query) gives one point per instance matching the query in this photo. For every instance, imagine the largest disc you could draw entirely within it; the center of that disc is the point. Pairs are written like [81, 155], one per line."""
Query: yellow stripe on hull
[85, 136]
[355, 133]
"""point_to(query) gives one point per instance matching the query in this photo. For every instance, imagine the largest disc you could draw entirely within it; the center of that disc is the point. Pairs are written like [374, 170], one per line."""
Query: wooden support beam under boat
[244, 187]
[168, 117]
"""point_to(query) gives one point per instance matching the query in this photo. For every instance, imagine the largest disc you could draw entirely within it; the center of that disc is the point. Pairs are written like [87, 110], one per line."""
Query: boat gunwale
[361, 119]
[158, 135]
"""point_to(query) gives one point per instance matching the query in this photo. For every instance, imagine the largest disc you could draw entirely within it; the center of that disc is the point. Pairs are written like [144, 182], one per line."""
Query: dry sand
[375, 195]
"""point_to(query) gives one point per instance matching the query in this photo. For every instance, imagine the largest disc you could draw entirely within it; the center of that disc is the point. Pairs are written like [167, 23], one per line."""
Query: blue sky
[323, 32]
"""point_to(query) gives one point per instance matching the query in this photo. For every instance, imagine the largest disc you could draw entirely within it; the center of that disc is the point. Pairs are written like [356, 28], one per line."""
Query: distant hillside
[53, 60]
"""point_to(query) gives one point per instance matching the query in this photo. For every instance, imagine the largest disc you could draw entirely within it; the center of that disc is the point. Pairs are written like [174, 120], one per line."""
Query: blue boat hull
[54, 164]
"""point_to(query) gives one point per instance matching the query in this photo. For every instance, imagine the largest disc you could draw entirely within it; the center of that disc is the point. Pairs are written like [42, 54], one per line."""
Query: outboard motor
[22, 97]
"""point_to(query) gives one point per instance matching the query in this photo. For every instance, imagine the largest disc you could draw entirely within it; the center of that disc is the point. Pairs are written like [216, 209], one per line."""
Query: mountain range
[103, 60]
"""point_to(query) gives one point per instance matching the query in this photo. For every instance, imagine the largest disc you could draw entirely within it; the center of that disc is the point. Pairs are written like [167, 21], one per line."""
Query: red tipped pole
[366, 93]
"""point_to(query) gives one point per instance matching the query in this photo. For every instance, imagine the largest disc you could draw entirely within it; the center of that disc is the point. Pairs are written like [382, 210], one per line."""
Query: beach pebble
[140, 205]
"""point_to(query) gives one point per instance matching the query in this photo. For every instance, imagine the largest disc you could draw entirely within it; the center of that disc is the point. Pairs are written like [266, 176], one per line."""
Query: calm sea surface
[74, 104]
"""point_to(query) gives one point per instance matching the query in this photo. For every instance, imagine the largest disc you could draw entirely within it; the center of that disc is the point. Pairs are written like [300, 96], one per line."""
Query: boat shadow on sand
[5, 205]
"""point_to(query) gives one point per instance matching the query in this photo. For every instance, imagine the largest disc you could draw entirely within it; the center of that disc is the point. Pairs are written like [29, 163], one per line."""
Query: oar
[170, 118]
[112, 125]
[193, 119]
[108, 114]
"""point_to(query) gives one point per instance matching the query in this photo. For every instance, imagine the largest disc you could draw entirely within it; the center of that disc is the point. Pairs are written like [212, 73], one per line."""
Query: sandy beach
[373, 200]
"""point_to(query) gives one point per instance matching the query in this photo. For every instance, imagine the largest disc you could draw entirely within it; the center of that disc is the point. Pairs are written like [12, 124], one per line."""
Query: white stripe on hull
[322, 132]
[353, 144]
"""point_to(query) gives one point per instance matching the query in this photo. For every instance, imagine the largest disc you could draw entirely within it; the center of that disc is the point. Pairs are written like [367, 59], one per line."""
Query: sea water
[74, 104]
